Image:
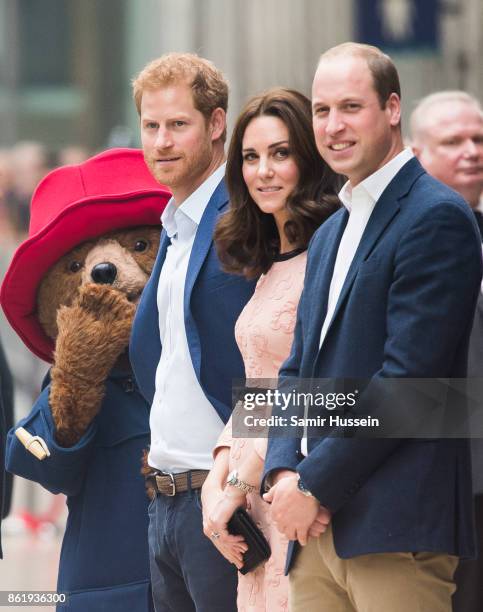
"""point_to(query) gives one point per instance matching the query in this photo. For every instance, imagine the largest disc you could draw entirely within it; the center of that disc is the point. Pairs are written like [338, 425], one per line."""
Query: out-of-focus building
[61, 70]
[65, 67]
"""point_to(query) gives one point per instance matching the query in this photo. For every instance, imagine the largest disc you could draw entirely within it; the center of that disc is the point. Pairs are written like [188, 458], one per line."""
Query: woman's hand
[218, 507]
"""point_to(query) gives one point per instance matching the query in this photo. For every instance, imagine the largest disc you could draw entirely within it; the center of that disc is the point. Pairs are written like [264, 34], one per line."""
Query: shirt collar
[194, 205]
[373, 186]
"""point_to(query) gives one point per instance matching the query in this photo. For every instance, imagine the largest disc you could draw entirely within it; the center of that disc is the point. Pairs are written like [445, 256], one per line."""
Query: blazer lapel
[145, 345]
[319, 289]
[201, 246]
[385, 210]
[151, 289]
[203, 240]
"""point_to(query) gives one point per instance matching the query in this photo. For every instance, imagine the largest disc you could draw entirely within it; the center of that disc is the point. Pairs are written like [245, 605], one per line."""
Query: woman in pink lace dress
[280, 192]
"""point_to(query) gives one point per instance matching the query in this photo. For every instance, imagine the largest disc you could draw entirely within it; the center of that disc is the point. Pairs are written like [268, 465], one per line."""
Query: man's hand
[320, 524]
[296, 515]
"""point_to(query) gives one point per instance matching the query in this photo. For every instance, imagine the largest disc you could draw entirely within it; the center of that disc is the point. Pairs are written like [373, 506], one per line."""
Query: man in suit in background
[390, 291]
[183, 348]
[447, 138]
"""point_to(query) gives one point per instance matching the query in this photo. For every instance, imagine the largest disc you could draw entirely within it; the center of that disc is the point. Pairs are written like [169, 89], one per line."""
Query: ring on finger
[215, 535]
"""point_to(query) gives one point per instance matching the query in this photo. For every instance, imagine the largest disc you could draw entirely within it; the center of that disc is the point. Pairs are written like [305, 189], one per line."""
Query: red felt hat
[72, 204]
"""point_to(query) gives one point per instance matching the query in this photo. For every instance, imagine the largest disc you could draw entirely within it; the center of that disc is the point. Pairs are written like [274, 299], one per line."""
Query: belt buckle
[173, 484]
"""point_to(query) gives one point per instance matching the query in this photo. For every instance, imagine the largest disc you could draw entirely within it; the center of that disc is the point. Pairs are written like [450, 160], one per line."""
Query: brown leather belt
[170, 484]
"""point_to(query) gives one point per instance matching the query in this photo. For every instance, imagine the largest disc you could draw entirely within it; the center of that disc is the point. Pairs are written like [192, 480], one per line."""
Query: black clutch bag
[258, 551]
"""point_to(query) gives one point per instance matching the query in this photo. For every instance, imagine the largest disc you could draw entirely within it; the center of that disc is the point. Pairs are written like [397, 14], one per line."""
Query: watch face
[232, 477]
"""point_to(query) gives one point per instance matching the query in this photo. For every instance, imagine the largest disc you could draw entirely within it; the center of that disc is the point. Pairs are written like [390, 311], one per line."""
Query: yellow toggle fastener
[34, 444]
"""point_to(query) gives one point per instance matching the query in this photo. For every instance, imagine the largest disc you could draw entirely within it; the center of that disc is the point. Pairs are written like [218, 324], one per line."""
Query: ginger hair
[208, 85]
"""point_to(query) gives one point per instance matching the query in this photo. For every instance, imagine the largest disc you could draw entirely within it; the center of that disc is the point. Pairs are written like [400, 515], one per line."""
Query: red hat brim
[84, 220]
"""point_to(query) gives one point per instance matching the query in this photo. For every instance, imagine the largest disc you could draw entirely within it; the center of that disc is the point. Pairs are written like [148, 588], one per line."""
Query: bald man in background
[447, 138]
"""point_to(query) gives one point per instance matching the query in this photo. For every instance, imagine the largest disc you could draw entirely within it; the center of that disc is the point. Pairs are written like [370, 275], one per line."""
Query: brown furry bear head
[123, 259]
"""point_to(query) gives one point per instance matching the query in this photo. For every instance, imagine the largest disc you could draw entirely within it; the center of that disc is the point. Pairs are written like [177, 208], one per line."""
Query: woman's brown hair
[247, 239]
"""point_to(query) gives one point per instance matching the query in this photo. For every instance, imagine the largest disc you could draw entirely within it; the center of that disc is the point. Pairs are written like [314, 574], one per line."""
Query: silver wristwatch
[303, 489]
[234, 481]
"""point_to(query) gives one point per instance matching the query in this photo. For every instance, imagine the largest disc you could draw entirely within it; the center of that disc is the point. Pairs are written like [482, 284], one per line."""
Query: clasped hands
[295, 515]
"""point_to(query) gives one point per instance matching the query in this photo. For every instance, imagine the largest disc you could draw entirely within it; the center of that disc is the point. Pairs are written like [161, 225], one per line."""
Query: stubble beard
[161, 177]
[189, 168]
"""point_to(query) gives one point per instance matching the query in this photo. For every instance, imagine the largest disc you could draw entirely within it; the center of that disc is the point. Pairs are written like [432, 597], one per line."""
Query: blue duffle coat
[104, 563]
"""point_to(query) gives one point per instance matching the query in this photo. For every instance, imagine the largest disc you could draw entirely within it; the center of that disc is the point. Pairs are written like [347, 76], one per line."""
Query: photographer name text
[333, 420]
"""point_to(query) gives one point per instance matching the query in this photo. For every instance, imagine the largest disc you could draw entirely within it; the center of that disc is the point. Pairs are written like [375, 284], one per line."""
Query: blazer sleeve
[284, 453]
[64, 470]
[431, 301]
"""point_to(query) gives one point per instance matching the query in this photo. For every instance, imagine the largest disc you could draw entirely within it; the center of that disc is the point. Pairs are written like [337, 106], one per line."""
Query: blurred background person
[34, 511]
[21, 168]
[24, 165]
[5, 172]
[29, 163]
[72, 155]
[6, 422]
[447, 137]
[6, 230]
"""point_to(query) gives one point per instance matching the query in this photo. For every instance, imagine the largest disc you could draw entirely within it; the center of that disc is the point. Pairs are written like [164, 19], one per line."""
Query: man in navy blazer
[390, 290]
[183, 348]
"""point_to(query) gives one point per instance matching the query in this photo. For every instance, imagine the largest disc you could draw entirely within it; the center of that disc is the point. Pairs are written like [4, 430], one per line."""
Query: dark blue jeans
[188, 573]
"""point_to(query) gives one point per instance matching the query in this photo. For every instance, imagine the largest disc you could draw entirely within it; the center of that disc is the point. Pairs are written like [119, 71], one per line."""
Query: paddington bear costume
[104, 560]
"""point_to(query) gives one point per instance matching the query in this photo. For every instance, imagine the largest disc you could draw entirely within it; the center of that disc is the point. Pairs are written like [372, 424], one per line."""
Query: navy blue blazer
[213, 300]
[405, 310]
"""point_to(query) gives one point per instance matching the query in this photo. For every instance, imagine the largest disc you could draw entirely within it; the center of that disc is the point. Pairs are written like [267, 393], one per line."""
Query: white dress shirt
[360, 202]
[184, 424]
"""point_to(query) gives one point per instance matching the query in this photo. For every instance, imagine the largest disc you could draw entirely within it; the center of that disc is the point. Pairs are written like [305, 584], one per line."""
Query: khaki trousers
[320, 581]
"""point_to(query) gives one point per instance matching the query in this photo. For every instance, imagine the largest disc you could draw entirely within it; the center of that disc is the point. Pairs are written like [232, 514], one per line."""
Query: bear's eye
[141, 245]
[75, 266]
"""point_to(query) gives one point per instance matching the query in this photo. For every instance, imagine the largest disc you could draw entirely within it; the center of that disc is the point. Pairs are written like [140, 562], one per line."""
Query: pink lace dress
[264, 333]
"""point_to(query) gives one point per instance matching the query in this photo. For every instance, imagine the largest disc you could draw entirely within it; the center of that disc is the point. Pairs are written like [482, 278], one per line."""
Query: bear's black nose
[104, 273]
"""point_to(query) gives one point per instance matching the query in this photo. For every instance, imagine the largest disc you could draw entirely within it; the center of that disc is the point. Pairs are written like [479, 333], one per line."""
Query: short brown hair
[209, 86]
[247, 239]
[382, 68]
